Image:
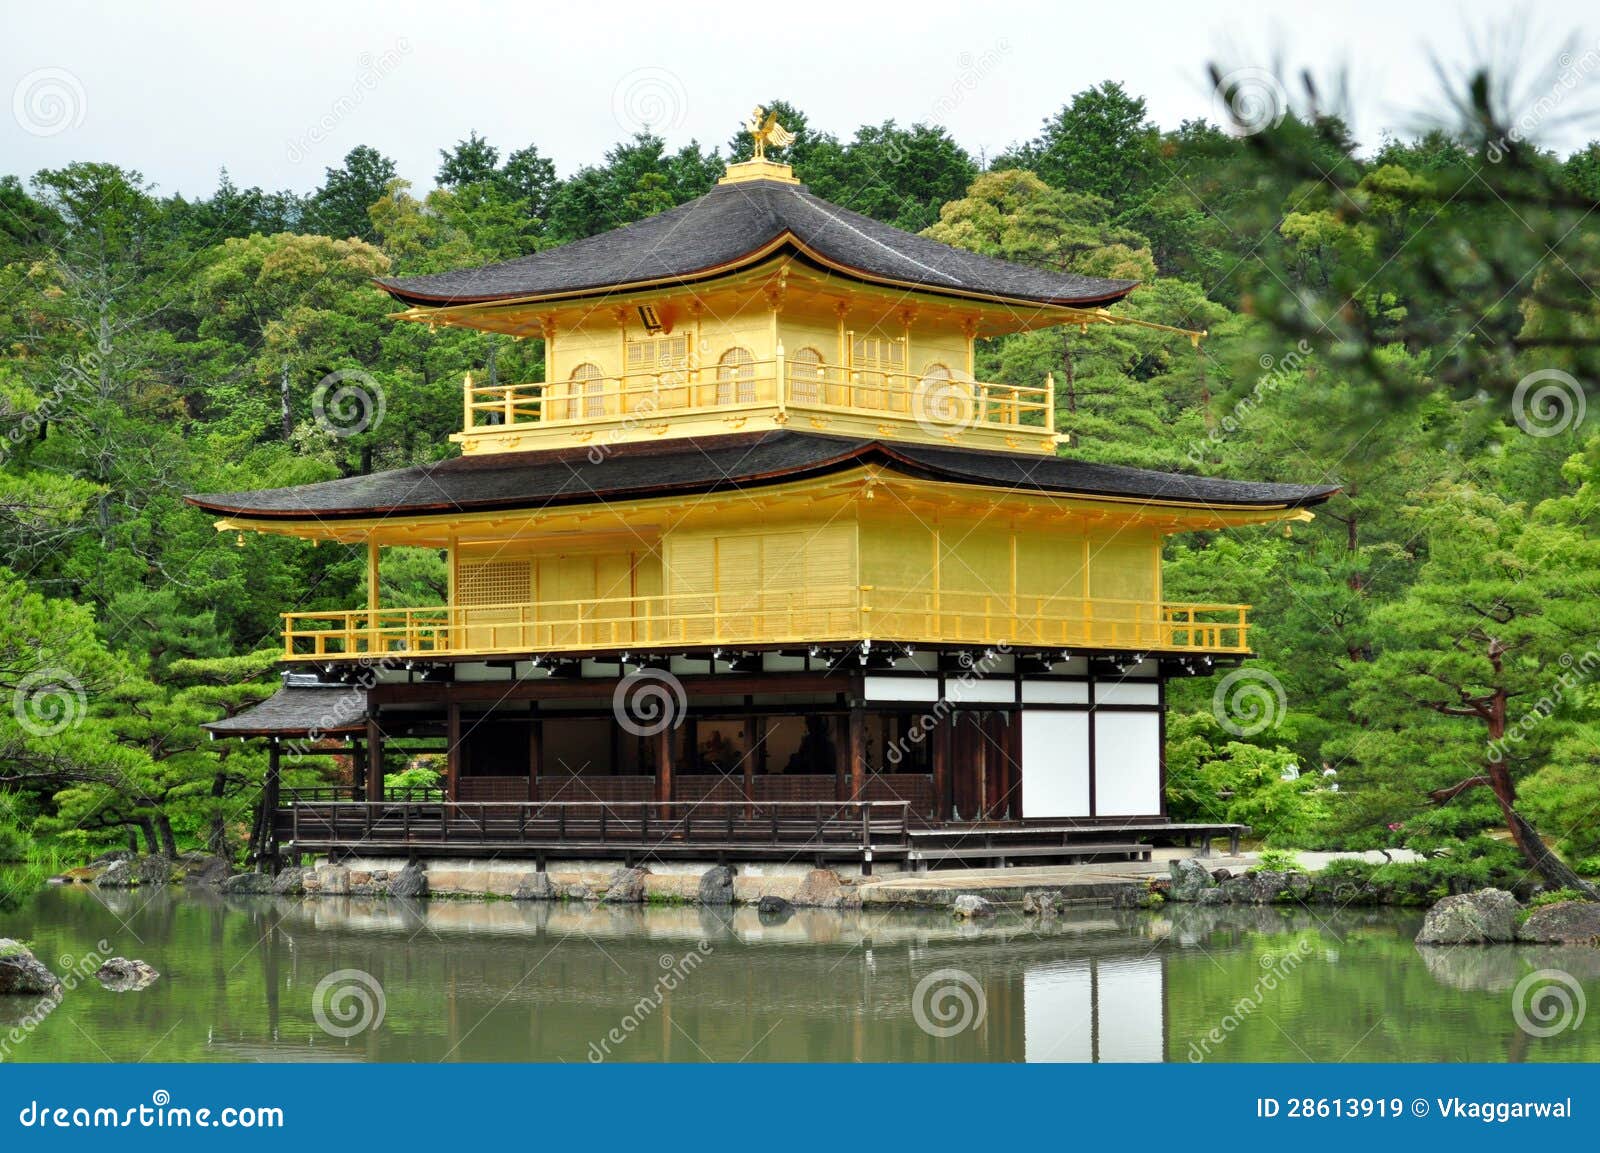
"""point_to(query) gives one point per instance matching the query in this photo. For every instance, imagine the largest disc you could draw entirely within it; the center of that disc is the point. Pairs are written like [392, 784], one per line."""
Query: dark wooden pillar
[858, 752]
[452, 756]
[664, 764]
[535, 756]
[269, 805]
[940, 736]
[374, 759]
[756, 752]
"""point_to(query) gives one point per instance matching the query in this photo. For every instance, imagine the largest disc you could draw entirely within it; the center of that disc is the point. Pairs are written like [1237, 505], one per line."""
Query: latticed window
[494, 582]
[879, 354]
[588, 391]
[736, 377]
[805, 376]
[666, 355]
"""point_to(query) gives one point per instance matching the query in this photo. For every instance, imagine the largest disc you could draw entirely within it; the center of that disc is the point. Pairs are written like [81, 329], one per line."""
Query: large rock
[290, 883]
[971, 906]
[1190, 878]
[411, 881]
[578, 891]
[1265, 887]
[822, 889]
[122, 975]
[22, 974]
[329, 880]
[118, 875]
[205, 869]
[1568, 923]
[716, 886]
[536, 887]
[153, 870]
[1486, 917]
[253, 884]
[626, 887]
[772, 908]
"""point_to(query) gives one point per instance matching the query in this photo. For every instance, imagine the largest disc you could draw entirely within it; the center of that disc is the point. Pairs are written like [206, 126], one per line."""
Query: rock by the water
[626, 887]
[1567, 923]
[248, 883]
[771, 906]
[578, 891]
[329, 880]
[1220, 875]
[117, 875]
[22, 974]
[716, 886]
[411, 881]
[1190, 878]
[1488, 916]
[536, 887]
[153, 870]
[970, 905]
[122, 975]
[205, 869]
[823, 889]
[1041, 904]
[290, 883]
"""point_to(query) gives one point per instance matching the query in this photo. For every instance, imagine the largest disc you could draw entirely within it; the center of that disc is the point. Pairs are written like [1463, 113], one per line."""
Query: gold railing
[797, 616]
[933, 401]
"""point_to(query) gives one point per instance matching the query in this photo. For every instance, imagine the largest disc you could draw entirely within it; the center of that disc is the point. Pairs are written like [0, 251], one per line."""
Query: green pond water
[249, 979]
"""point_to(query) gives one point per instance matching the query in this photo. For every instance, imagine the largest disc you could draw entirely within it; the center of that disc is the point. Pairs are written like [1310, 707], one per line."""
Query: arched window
[941, 400]
[805, 376]
[588, 384]
[736, 377]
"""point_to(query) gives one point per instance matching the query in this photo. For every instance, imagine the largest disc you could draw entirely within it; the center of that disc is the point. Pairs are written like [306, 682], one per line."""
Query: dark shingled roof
[299, 710]
[734, 223]
[635, 471]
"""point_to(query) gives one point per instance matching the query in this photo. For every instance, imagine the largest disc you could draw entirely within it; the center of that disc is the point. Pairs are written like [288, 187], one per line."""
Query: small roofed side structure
[308, 711]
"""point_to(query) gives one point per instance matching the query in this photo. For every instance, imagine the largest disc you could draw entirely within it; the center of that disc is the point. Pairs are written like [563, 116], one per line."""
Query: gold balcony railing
[935, 401]
[757, 618]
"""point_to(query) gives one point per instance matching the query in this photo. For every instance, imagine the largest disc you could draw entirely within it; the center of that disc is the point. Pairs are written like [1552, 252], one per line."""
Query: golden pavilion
[758, 570]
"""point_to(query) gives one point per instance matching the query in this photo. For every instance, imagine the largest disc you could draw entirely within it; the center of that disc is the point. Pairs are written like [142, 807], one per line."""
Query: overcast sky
[276, 93]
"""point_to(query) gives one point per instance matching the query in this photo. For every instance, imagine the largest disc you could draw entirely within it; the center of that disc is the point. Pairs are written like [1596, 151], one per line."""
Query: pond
[345, 979]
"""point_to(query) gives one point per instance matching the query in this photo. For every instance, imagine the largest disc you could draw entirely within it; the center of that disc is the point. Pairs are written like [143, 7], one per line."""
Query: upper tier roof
[737, 461]
[736, 224]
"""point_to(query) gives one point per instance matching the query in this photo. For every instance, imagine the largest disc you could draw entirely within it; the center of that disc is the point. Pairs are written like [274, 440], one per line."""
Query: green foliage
[1277, 861]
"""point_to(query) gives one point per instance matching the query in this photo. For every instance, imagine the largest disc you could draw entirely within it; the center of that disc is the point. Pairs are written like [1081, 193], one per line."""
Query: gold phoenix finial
[767, 131]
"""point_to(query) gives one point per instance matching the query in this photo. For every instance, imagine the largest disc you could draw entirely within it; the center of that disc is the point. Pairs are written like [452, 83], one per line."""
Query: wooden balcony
[761, 394]
[919, 616]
